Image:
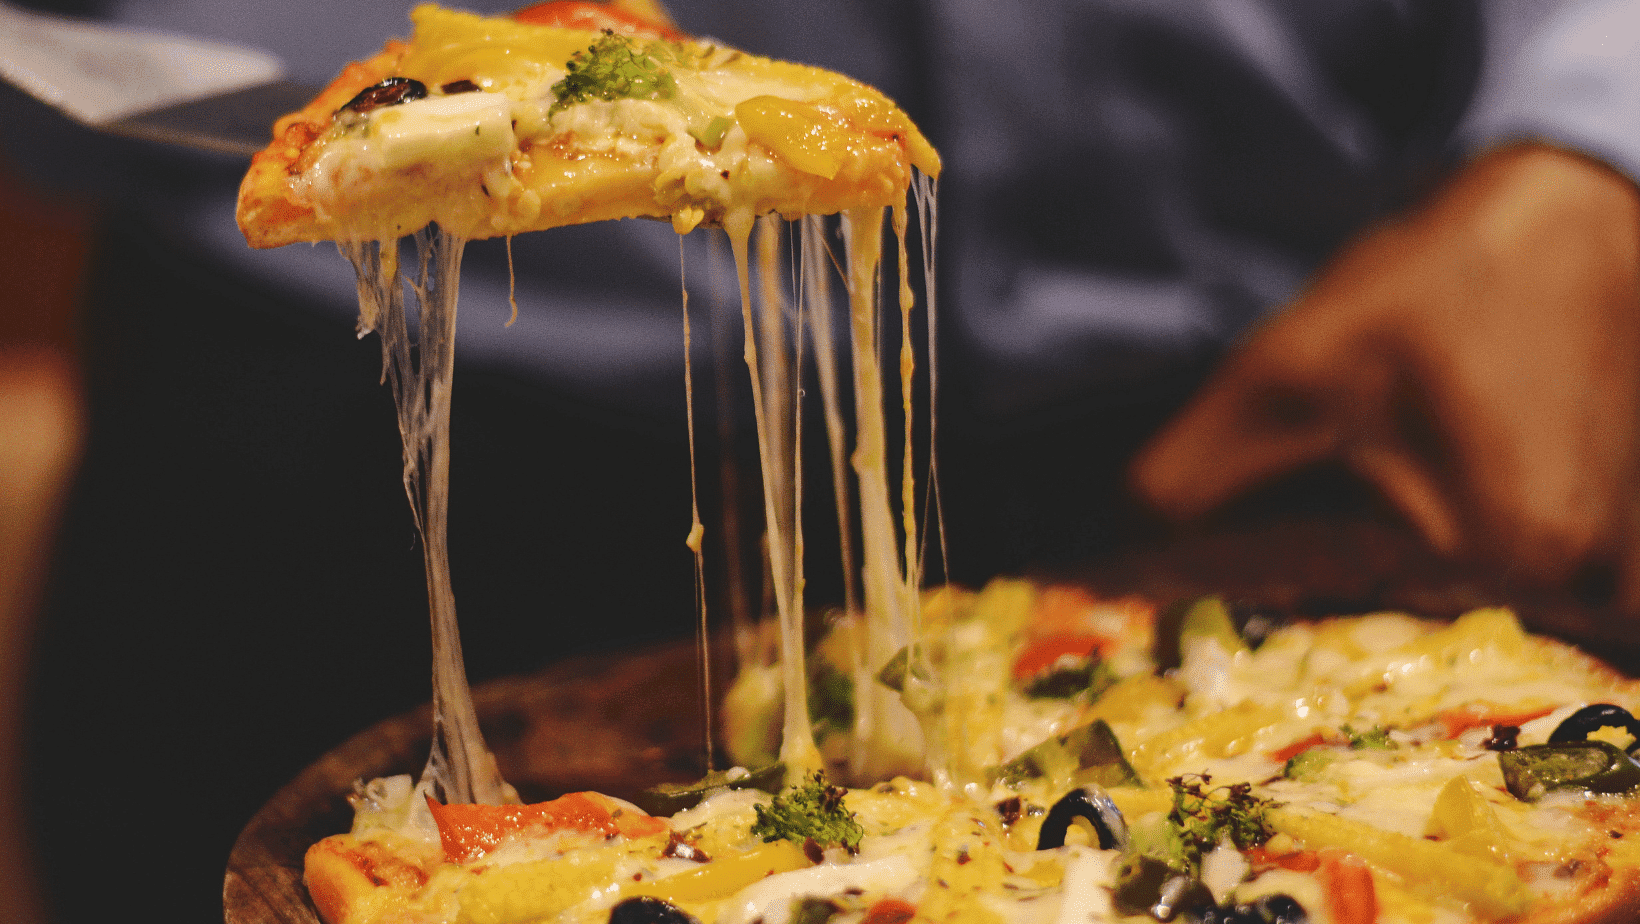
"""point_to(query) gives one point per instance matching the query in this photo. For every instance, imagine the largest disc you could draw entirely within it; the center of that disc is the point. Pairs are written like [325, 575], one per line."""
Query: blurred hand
[1477, 361]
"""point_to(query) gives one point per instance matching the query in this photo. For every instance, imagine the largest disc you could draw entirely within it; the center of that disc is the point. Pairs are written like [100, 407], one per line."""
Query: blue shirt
[1129, 184]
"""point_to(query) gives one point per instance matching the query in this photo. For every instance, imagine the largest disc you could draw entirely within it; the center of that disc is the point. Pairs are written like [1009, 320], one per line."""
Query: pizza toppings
[1379, 819]
[648, 910]
[1591, 721]
[471, 831]
[1085, 804]
[810, 813]
[614, 67]
[1533, 772]
[390, 92]
[1203, 816]
[1088, 753]
[600, 17]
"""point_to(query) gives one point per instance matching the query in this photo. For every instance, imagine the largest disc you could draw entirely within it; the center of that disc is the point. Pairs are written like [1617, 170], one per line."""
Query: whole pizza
[1080, 760]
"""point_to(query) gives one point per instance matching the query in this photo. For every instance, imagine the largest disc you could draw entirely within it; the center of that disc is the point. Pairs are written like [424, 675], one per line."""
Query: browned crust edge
[267, 214]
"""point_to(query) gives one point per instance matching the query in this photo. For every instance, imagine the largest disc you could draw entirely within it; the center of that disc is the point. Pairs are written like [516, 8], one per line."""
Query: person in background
[1187, 248]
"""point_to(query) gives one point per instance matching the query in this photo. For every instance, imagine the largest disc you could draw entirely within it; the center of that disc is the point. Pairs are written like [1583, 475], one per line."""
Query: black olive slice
[1281, 909]
[1091, 804]
[649, 910]
[1184, 895]
[390, 92]
[459, 86]
[1584, 722]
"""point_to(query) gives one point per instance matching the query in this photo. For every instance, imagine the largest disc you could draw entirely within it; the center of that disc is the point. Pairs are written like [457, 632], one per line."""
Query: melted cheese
[459, 768]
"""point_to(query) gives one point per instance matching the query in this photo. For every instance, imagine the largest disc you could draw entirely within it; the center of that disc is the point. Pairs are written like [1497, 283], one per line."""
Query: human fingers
[1273, 408]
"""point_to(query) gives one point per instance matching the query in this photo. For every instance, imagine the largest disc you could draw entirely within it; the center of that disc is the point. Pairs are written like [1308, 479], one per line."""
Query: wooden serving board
[615, 723]
[620, 723]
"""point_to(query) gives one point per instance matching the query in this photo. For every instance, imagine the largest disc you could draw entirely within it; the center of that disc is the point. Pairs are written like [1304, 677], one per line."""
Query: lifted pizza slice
[567, 113]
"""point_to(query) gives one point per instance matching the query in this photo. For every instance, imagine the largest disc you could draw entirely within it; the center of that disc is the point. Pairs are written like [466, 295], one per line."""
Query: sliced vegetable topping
[672, 798]
[890, 911]
[1590, 719]
[1089, 804]
[599, 17]
[470, 831]
[1146, 885]
[1532, 772]
[649, 910]
[1375, 738]
[1191, 620]
[1351, 895]
[813, 811]
[725, 875]
[1069, 677]
[1044, 652]
[615, 67]
[1482, 715]
[1203, 816]
[390, 92]
[1089, 753]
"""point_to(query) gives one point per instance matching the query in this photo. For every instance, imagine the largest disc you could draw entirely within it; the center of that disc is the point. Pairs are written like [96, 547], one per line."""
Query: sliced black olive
[390, 92]
[1183, 895]
[1010, 810]
[649, 910]
[1139, 884]
[458, 86]
[1223, 914]
[1590, 719]
[1271, 909]
[1091, 804]
[1504, 738]
[1280, 909]
[811, 910]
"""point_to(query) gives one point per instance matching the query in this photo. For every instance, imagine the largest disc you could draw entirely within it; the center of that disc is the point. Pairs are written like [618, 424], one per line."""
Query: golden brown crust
[1614, 899]
[268, 213]
[1608, 872]
[350, 878]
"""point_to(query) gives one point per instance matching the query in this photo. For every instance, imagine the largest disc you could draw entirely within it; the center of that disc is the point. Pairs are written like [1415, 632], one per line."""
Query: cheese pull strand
[459, 766]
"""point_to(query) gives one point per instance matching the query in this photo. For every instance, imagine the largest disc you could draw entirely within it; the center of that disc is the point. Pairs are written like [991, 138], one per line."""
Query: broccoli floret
[614, 68]
[1201, 817]
[813, 811]
[1306, 765]
[1374, 739]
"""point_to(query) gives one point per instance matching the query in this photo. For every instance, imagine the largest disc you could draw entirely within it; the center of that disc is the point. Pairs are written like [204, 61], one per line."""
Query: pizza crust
[1614, 901]
[354, 880]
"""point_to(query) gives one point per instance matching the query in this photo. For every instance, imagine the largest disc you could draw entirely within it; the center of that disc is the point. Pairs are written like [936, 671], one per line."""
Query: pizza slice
[567, 113]
[572, 112]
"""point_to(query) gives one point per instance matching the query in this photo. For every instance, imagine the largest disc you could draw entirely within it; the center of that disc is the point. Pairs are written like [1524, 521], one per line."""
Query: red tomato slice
[1484, 715]
[890, 911]
[1347, 881]
[1298, 747]
[1303, 861]
[1043, 652]
[581, 14]
[470, 831]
